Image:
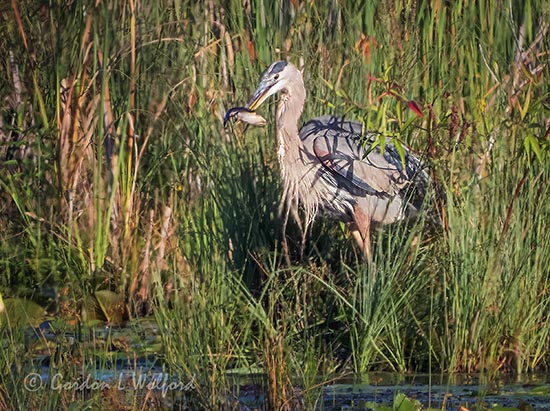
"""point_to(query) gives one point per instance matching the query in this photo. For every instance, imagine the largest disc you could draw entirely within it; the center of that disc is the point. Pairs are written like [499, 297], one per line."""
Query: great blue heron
[329, 165]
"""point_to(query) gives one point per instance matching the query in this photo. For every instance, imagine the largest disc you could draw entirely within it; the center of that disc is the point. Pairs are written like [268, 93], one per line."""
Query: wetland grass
[118, 181]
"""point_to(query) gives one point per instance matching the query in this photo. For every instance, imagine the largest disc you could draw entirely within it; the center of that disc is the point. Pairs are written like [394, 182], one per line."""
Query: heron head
[276, 78]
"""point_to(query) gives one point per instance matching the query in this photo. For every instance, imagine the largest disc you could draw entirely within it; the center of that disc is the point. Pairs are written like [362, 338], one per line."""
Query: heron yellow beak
[259, 96]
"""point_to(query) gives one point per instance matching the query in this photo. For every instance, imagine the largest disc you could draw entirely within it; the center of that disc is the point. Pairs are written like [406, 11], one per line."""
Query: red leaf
[414, 107]
[250, 48]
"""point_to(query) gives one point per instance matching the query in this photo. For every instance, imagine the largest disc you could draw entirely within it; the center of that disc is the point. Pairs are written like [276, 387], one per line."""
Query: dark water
[146, 373]
[454, 393]
[470, 394]
[249, 392]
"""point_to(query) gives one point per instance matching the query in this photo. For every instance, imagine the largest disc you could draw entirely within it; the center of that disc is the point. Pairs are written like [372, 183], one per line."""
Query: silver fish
[245, 115]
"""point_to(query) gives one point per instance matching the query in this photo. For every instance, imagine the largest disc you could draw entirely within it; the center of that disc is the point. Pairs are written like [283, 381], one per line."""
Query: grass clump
[502, 254]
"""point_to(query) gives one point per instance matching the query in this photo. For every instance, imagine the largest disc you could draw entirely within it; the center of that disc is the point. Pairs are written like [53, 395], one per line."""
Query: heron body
[328, 167]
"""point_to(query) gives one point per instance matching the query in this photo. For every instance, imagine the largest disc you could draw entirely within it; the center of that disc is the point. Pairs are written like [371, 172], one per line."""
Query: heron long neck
[289, 111]
[293, 160]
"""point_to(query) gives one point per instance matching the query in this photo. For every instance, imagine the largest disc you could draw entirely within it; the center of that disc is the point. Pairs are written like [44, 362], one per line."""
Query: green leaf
[531, 144]
[112, 305]
[92, 313]
[403, 403]
[525, 108]
[21, 312]
[377, 407]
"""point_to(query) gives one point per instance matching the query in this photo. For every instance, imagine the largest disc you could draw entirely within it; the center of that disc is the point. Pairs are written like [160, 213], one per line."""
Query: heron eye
[276, 77]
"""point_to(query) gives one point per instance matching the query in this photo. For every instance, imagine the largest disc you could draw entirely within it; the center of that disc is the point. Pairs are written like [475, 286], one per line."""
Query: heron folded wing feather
[337, 143]
[347, 164]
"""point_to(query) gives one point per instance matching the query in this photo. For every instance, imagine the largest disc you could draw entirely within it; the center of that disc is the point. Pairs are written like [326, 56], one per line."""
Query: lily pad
[112, 305]
[92, 314]
[403, 403]
[21, 312]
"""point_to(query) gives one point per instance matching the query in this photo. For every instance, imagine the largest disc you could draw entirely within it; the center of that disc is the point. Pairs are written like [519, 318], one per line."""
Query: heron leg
[303, 244]
[284, 242]
[360, 229]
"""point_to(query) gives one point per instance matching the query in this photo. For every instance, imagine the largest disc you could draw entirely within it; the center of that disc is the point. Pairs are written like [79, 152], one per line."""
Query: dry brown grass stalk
[279, 384]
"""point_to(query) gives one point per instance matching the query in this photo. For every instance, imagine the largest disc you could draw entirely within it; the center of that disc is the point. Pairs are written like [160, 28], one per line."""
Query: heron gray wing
[338, 146]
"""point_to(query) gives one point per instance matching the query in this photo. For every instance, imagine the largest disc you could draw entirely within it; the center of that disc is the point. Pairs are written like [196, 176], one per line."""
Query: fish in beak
[272, 82]
[245, 115]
